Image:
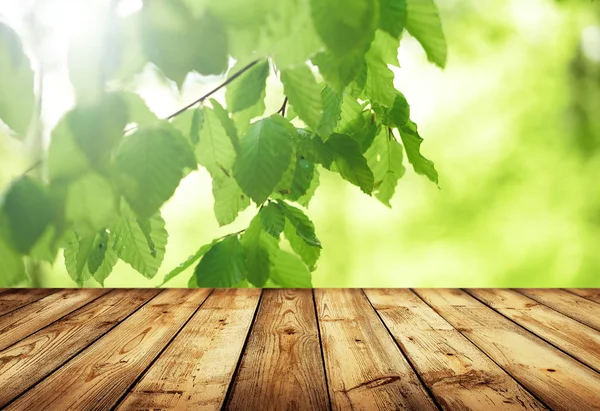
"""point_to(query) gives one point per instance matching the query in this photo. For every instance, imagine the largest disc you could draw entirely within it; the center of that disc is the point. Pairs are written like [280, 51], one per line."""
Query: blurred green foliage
[513, 125]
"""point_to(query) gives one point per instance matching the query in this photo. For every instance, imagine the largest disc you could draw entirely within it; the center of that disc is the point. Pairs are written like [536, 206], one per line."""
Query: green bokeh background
[513, 125]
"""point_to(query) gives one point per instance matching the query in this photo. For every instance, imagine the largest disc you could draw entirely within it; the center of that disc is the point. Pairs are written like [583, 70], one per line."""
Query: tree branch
[213, 91]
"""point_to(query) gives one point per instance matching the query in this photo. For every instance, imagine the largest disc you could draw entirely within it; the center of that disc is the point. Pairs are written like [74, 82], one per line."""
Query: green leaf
[177, 42]
[339, 71]
[210, 40]
[379, 85]
[423, 23]
[345, 25]
[108, 262]
[132, 245]
[230, 200]
[258, 247]
[187, 263]
[305, 229]
[137, 109]
[17, 102]
[12, 268]
[332, 111]
[351, 117]
[272, 219]
[304, 200]
[150, 164]
[227, 122]
[392, 16]
[25, 213]
[46, 248]
[224, 265]
[385, 160]
[290, 272]
[76, 255]
[249, 88]
[313, 149]
[265, 154]
[309, 253]
[98, 251]
[189, 123]
[387, 47]
[369, 128]
[90, 203]
[302, 90]
[412, 144]
[350, 162]
[243, 118]
[97, 128]
[285, 184]
[303, 177]
[215, 150]
[239, 12]
[90, 255]
[398, 115]
[132, 58]
[290, 33]
[64, 145]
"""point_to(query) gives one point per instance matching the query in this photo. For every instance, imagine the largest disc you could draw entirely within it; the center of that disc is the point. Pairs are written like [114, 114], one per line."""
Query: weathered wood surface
[195, 370]
[36, 356]
[458, 374]
[581, 309]
[282, 367]
[246, 349]
[365, 368]
[553, 376]
[12, 299]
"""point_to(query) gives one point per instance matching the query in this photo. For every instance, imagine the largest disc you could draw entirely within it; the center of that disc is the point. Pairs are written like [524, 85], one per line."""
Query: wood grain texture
[10, 300]
[457, 373]
[26, 320]
[194, 373]
[578, 308]
[365, 369]
[592, 294]
[573, 337]
[97, 378]
[557, 379]
[33, 358]
[282, 368]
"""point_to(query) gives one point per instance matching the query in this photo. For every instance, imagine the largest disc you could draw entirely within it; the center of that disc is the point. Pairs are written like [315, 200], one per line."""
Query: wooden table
[248, 349]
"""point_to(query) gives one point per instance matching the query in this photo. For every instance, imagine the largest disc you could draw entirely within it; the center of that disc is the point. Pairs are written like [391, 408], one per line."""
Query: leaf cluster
[111, 164]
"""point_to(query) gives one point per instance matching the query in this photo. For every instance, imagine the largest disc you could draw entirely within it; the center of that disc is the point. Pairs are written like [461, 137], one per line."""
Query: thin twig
[204, 97]
[32, 167]
[178, 112]
[213, 91]
[283, 106]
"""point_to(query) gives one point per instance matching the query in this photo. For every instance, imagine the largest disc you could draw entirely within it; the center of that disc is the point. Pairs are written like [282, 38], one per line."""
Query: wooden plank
[195, 370]
[98, 377]
[12, 299]
[364, 367]
[20, 323]
[554, 377]
[578, 308]
[592, 294]
[459, 375]
[33, 358]
[579, 340]
[282, 367]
